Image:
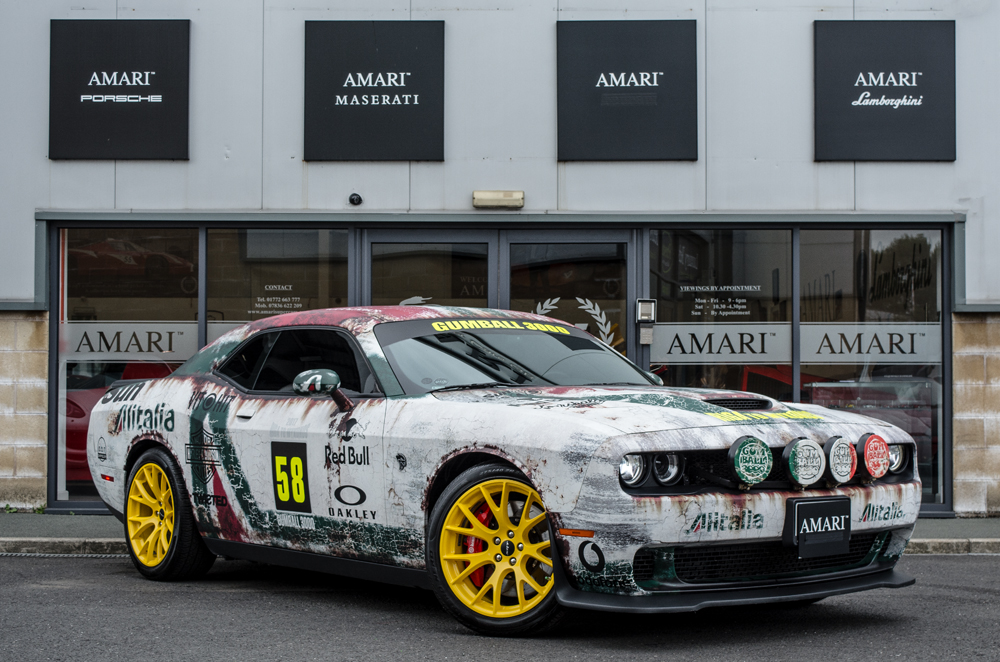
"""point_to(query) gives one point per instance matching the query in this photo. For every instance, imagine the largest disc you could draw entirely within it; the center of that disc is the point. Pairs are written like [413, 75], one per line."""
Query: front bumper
[662, 603]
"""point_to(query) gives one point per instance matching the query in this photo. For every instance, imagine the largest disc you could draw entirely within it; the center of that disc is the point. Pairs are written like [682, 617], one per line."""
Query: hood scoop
[741, 404]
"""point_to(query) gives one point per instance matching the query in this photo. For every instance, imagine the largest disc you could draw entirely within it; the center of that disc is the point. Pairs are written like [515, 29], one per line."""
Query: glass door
[581, 277]
[437, 267]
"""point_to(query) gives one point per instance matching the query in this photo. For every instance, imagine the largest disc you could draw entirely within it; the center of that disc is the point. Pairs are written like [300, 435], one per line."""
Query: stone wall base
[976, 415]
[24, 364]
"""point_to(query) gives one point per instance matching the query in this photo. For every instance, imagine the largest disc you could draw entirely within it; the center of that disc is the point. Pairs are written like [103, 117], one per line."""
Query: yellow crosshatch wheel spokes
[150, 513]
[495, 550]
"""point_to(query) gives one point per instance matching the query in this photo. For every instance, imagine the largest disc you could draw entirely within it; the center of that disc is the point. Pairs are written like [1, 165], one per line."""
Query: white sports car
[509, 461]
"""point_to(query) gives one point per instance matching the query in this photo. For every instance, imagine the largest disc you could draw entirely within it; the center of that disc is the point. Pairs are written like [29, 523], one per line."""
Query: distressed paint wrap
[369, 471]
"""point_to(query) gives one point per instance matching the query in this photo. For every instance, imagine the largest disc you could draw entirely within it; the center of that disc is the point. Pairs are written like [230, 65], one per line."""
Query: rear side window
[245, 363]
[307, 349]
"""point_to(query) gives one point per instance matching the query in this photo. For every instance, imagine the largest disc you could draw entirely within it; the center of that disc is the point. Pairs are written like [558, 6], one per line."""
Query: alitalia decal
[878, 513]
[716, 521]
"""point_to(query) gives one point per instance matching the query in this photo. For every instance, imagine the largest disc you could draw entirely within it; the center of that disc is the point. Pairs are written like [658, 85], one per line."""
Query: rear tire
[492, 512]
[163, 541]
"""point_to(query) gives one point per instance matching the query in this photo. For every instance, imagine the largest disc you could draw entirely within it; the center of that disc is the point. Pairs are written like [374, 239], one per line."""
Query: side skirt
[319, 563]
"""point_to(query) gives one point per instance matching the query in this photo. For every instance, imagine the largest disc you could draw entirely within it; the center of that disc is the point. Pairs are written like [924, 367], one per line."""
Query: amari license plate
[818, 527]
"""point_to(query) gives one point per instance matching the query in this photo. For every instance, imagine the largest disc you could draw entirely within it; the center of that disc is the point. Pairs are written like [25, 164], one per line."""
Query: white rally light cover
[804, 461]
[841, 460]
[632, 469]
[874, 455]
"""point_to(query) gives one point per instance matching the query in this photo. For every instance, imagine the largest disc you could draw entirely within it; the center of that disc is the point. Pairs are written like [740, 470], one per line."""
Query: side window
[308, 349]
[245, 363]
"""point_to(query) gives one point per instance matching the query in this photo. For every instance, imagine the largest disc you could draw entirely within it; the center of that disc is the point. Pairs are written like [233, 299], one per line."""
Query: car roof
[359, 319]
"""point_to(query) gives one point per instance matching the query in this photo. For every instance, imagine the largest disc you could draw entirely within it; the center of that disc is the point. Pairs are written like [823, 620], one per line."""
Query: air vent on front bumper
[656, 567]
[741, 404]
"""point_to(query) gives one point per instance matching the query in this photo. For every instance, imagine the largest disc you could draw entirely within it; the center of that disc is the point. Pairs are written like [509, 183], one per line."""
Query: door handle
[246, 413]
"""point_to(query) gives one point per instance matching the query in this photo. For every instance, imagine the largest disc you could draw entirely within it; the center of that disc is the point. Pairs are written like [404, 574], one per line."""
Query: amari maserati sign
[119, 89]
[627, 90]
[885, 90]
[374, 91]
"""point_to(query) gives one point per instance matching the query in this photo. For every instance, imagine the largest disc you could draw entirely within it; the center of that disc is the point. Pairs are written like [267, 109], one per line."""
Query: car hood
[632, 410]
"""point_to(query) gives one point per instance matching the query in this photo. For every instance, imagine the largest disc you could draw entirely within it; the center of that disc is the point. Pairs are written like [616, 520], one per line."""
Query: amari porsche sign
[885, 90]
[374, 91]
[119, 89]
[628, 90]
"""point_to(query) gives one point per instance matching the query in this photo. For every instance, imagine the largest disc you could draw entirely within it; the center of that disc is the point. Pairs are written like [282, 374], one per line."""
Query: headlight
[897, 458]
[667, 468]
[632, 469]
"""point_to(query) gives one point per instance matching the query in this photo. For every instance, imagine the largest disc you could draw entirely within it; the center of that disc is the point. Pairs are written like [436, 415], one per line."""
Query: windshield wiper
[457, 387]
[614, 384]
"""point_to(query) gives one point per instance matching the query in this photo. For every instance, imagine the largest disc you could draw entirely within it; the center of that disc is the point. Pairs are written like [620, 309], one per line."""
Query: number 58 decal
[291, 476]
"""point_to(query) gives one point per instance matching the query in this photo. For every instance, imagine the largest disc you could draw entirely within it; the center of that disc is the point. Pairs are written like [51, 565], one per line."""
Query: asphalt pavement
[100, 608]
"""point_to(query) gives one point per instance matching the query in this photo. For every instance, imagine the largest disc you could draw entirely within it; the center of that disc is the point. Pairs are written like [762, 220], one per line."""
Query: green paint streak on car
[363, 540]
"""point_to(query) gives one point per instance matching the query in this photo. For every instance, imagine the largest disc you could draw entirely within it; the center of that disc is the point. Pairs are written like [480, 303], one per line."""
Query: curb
[117, 546]
[954, 546]
[62, 546]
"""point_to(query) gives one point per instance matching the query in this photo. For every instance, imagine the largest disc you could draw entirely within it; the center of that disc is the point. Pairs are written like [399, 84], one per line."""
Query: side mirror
[316, 382]
[320, 382]
[655, 377]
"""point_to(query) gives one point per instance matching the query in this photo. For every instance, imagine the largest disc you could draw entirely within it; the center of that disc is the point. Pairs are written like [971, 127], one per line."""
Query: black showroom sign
[627, 90]
[374, 91]
[885, 90]
[119, 89]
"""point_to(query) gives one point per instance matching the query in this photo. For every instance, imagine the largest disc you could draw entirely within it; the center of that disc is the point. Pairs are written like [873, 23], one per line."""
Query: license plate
[818, 527]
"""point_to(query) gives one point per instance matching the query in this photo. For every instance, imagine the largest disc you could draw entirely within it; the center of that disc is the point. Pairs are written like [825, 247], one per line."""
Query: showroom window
[127, 310]
[253, 274]
[723, 309]
[871, 333]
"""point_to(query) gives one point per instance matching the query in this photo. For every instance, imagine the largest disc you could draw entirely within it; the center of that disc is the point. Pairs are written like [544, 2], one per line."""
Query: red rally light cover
[874, 453]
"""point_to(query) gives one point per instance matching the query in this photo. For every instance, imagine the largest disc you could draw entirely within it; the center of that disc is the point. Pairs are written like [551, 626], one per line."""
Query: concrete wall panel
[27, 177]
[644, 186]
[759, 105]
[290, 183]
[224, 170]
[500, 105]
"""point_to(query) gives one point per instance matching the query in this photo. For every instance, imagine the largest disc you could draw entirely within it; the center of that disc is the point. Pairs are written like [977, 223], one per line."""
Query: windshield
[430, 355]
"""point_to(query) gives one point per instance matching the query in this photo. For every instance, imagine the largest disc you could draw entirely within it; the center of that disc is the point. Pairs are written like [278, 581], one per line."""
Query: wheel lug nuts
[520, 546]
[513, 561]
[498, 558]
[510, 534]
[496, 541]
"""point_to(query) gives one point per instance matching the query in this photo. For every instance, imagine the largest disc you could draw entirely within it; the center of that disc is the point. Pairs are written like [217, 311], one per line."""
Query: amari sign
[885, 90]
[374, 91]
[119, 89]
[627, 90]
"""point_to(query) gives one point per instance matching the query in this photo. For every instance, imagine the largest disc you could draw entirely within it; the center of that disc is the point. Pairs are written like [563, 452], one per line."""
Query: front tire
[163, 542]
[489, 553]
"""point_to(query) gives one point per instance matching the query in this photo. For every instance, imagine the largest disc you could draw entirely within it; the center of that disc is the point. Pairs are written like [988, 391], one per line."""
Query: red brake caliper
[475, 545]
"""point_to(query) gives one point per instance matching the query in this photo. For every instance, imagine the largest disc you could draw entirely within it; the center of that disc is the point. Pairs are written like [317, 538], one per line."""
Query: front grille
[741, 404]
[752, 561]
[642, 565]
[716, 463]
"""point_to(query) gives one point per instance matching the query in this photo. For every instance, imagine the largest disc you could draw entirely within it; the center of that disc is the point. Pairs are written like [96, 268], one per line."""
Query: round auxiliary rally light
[873, 454]
[668, 468]
[804, 461]
[841, 460]
[751, 459]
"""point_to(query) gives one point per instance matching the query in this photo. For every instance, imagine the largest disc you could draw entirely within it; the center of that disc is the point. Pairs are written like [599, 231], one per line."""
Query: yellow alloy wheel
[150, 512]
[495, 550]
